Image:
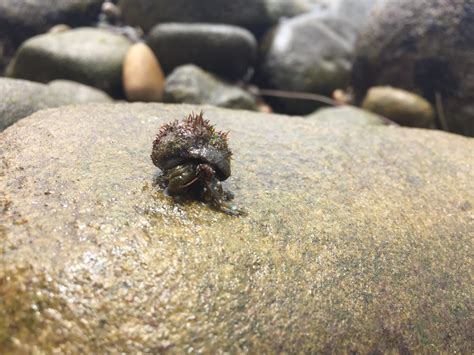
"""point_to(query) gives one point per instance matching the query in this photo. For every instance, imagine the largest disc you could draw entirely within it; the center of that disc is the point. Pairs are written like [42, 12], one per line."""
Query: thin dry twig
[299, 95]
[308, 96]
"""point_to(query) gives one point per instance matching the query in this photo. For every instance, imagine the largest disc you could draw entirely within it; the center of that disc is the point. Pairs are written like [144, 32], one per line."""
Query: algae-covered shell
[193, 138]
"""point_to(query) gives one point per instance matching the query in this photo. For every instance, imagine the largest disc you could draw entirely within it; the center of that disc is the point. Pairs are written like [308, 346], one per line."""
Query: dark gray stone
[20, 98]
[358, 238]
[190, 84]
[90, 56]
[423, 46]
[251, 14]
[21, 19]
[308, 53]
[7, 51]
[222, 49]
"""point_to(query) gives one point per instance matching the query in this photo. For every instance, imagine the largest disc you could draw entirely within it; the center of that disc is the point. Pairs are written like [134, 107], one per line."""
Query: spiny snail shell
[193, 138]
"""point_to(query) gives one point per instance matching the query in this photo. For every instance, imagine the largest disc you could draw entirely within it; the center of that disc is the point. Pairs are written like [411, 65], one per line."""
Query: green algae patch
[358, 238]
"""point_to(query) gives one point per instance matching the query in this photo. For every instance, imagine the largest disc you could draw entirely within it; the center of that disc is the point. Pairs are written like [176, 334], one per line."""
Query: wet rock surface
[190, 84]
[358, 238]
[426, 47]
[222, 49]
[293, 60]
[20, 98]
[90, 56]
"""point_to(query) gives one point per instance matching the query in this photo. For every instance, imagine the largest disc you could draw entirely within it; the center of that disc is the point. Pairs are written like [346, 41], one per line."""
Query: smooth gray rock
[358, 238]
[308, 53]
[226, 50]
[348, 115]
[250, 14]
[190, 84]
[21, 19]
[73, 92]
[90, 56]
[20, 98]
[424, 46]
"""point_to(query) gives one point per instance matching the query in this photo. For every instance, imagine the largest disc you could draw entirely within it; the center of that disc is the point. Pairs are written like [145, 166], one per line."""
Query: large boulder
[358, 238]
[223, 49]
[20, 98]
[22, 19]
[192, 85]
[424, 46]
[90, 56]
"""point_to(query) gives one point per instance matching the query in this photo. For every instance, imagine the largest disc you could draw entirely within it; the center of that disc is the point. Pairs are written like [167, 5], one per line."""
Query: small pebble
[400, 106]
[59, 28]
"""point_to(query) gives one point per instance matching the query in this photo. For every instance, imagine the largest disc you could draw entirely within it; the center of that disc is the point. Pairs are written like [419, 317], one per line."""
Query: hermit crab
[194, 158]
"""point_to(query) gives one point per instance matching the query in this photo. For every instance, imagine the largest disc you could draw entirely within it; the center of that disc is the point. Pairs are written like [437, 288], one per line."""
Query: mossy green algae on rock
[358, 238]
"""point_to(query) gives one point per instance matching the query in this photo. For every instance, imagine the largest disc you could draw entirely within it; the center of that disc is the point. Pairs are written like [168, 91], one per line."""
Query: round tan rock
[401, 106]
[143, 78]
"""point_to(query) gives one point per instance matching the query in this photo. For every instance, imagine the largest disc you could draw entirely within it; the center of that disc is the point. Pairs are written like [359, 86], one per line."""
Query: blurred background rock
[317, 47]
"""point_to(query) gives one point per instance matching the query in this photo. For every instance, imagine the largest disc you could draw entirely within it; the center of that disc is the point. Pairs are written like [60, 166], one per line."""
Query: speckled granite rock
[20, 98]
[358, 238]
[87, 55]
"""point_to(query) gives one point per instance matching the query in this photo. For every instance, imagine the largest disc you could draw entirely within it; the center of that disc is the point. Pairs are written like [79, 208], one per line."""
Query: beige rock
[143, 78]
[59, 28]
[403, 107]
